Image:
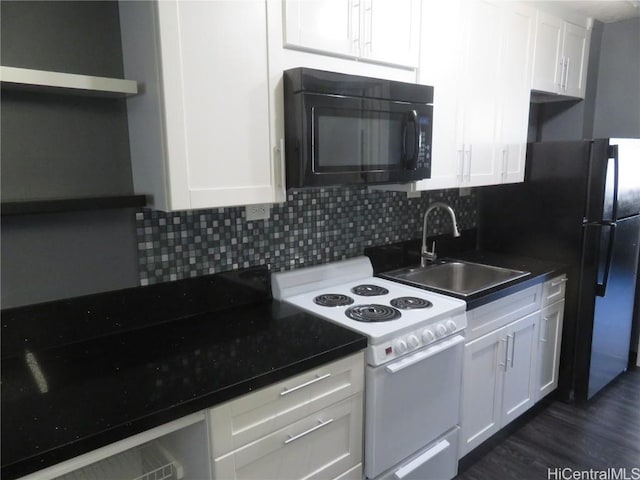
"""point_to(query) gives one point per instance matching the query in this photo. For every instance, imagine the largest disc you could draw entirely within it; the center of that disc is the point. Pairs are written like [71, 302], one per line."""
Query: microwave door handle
[411, 163]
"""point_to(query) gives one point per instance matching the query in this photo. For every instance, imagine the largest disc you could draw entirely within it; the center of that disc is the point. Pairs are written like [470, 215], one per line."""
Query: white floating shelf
[69, 83]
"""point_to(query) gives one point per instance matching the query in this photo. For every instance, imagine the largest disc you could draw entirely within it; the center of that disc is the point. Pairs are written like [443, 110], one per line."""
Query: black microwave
[348, 130]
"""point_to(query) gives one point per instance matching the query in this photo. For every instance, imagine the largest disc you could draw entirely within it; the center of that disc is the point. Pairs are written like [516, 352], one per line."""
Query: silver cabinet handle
[505, 162]
[293, 438]
[543, 338]
[305, 384]
[513, 347]
[506, 352]
[561, 73]
[354, 26]
[461, 169]
[566, 74]
[469, 167]
[559, 282]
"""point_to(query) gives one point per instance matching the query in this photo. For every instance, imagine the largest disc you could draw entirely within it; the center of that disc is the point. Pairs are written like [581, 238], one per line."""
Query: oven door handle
[424, 354]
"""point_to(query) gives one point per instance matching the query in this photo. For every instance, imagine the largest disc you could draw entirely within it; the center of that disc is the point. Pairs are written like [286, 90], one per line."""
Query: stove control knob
[451, 326]
[413, 342]
[441, 330]
[401, 346]
[428, 336]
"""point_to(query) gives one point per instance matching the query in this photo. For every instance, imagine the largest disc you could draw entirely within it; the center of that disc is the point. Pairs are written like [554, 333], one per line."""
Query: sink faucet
[427, 256]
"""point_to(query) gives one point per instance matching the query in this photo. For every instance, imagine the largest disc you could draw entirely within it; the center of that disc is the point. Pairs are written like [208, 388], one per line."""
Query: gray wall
[61, 146]
[617, 110]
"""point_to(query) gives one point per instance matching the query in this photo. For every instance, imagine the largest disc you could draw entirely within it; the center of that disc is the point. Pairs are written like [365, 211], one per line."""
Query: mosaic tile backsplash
[311, 227]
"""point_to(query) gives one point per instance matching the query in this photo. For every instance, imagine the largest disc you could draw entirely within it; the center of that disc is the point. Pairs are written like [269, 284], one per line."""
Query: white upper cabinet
[481, 82]
[384, 31]
[200, 132]
[392, 31]
[330, 26]
[515, 93]
[440, 64]
[480, 94]
[560, 56]
[547, 56]
[575, 41]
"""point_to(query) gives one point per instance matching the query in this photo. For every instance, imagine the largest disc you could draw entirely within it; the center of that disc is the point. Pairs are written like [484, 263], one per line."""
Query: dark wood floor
[602, 434]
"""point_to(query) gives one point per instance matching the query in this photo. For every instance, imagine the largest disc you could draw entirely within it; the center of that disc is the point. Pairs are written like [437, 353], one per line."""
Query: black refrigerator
[580, 206]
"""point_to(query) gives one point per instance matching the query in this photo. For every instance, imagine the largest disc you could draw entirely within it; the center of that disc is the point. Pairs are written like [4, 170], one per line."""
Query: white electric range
[414, 372]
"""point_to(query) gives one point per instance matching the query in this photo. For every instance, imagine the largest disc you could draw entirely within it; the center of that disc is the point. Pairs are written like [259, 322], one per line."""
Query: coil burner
[408, 303]
[372, 313]
[368, 290]
[332, 300]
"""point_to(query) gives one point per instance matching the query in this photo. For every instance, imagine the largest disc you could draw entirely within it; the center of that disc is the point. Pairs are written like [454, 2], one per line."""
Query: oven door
[411, 402]
[358, 140]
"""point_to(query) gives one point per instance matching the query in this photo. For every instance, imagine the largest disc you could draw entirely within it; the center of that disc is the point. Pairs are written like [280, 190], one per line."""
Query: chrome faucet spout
[427, 255]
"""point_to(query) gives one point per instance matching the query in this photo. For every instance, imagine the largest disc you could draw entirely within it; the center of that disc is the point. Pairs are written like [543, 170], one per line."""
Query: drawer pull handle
[545, 320]
[559, 282]
[293, 438]
[305, 384]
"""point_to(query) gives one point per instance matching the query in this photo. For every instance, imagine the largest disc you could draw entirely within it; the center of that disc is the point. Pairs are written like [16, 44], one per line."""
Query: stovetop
[349, 285]
[401, 303]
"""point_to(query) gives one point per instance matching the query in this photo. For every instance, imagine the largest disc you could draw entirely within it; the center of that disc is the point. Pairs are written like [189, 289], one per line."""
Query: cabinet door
[214, 74]
[391, 31]
[549, 339]
[547, 62]
[200, 131]
[480, 93]
[484, 363]
[440, 66]
[576, 53]
[329, 26]
[519, 392]
[516, 71]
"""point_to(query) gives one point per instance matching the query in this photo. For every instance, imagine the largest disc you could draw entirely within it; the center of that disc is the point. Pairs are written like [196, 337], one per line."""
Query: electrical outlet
[464, 192]
[257, 212]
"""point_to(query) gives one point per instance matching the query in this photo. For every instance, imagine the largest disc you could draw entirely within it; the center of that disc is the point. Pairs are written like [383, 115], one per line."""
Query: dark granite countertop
[80, 391]
[405, 254]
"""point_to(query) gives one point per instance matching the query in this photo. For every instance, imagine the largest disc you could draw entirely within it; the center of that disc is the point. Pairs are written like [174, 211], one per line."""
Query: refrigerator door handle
[601, 288]
[612, 152]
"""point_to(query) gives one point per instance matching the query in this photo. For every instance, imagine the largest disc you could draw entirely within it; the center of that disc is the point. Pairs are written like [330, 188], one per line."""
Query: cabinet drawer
[322, 445]
[248, 418]
[494, 315]
[554, 290]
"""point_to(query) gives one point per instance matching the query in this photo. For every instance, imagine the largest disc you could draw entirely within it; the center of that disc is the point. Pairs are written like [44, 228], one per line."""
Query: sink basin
[455, 276]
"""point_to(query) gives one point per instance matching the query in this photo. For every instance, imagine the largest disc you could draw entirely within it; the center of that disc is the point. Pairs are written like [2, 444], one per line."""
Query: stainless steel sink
[456, 276]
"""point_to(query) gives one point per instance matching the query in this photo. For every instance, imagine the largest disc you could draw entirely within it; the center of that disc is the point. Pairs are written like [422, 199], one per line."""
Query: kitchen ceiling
[606, 11]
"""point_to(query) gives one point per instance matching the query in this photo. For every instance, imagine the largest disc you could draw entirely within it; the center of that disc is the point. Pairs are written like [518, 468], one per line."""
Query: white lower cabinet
[549, 337]
[308, 426]
[498, 379]
[518, 394]
[511, 359]
[323, 445]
